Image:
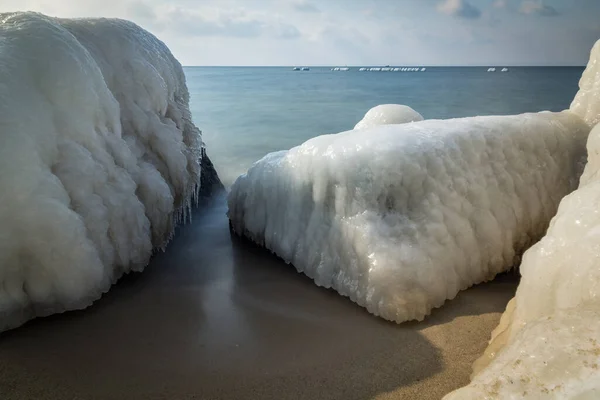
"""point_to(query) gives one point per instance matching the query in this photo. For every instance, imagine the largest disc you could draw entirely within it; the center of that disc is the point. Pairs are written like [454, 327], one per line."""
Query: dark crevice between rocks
[210, 184]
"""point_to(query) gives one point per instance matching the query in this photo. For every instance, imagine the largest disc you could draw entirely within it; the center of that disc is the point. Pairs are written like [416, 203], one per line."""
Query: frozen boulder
[547, 345]
[587, 101]
[99, 158]
[400, 218]
[554, 357]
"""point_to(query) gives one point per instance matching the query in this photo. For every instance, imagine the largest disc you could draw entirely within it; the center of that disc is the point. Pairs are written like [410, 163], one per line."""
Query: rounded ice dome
[387, 114]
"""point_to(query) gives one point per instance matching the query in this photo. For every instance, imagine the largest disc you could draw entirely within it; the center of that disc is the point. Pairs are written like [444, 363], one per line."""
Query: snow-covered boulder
[388, 114]
[99, 158]
[400, 218]
[547, 345]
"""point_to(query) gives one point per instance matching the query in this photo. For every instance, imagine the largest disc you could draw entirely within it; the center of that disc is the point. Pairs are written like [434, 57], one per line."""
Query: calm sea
[245, 113]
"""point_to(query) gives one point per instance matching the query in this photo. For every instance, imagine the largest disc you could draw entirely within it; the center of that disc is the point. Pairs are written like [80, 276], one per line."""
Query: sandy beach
[215, 317]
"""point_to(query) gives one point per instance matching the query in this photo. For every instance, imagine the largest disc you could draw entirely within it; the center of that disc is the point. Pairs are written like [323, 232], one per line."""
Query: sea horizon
[277, 108]
[384, 65]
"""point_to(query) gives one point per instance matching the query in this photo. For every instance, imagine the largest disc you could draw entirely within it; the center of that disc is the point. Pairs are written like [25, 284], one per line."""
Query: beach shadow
[484, 298]
[216, 317]
[317, 342]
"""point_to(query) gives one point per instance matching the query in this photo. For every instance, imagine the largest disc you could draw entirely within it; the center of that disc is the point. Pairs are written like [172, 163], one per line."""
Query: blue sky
[355, 32]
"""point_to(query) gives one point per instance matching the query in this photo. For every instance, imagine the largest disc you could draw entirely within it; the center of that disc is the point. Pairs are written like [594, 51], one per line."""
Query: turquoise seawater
[245, 113]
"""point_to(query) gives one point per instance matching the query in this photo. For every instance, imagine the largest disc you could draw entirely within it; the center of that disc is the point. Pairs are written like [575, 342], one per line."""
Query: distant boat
[491, 69]
[504, 70]
[305, 69]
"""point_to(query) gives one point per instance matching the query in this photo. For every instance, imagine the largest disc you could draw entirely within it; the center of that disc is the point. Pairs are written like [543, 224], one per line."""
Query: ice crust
[547, 345]
[99, 158]
[587, 101]
[387, 114]
[400, 218]
[556, 357]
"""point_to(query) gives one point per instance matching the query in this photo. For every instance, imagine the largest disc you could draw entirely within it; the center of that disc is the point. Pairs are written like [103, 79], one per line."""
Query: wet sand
[218, 318]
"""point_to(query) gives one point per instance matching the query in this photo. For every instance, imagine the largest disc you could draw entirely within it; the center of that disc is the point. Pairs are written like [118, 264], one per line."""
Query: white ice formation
[99, 158]
[587, 101]
[387, 114]
[400, 218]
[547, 345]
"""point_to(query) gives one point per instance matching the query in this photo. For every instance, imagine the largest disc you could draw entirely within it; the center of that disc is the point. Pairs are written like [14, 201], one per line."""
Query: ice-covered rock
[99, 158]
[400, 218]
[548, 341]
[547, 345]
[587, 101]
[387, 114]
[554, 357]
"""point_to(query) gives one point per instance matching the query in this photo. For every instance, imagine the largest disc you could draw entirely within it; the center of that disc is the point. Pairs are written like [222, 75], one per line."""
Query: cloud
[368, 12]
[459, 8]
[270, 32]
[305, 6]
[537, 7]
[230, 23]
[286, 31]
[213, 21]
[141, 10]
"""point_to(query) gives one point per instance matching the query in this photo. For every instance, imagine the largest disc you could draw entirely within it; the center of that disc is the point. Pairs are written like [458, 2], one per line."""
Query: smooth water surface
[247, 112]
